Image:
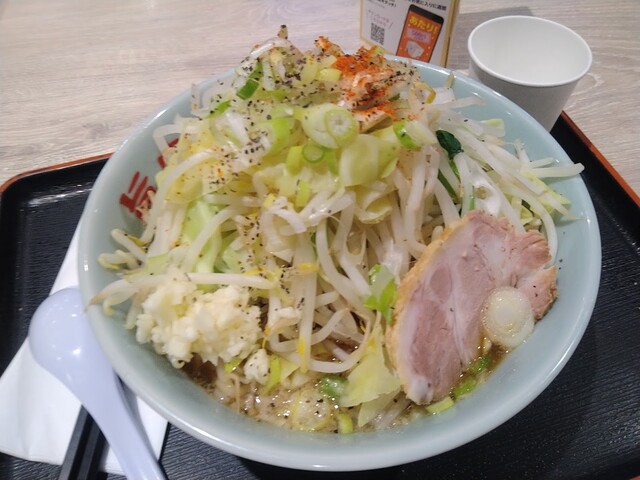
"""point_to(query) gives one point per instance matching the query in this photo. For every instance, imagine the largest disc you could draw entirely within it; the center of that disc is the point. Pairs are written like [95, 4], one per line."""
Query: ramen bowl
[516, 381]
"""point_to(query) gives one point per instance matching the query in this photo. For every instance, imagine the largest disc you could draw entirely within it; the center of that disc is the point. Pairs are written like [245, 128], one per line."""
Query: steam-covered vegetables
[295, 201]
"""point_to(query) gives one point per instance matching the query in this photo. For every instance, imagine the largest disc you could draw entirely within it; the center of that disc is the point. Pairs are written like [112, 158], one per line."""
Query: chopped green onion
[230, 366]
[449, 142]
[464, 387]
[248, 89]
[220, 108]
[341, 125]
[331, 159]
[345, 422]
[294, 159]
[312, 152]
[332, 385]
[327, 124]
[480, 364]
[302, 194]
[413, 134]
[440, 406]
[329, 74]
[403, 136]
[252, 84]
[274, 372]
[309, 70]
[383, 291]
[279, 132]
[420, 133]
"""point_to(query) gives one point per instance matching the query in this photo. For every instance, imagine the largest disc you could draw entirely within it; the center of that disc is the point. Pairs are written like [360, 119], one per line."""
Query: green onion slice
[302, 194]
[327, 124]
[294, 159]
[274, 372]
[220, 108]
[312, 152]
[331, 159]
[480, 365]
[400, 129]
[413, 134]
[383, 291]
[252, 83]
[231, 365]
[440, 406]
[341, 125]
[345, 423]
[332, 385]
[464, 387]
[279, 131]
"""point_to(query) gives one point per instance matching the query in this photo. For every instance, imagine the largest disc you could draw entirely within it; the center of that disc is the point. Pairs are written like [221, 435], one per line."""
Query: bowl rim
[361, 451]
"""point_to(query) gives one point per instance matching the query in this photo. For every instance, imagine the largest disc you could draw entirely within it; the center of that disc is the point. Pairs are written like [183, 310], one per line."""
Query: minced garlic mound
[179, 320]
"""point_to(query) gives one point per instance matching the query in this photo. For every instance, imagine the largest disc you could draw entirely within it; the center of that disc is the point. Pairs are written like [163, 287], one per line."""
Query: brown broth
[304, 407]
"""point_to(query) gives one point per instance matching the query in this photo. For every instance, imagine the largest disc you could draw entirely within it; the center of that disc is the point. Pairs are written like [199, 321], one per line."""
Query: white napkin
[38, 413]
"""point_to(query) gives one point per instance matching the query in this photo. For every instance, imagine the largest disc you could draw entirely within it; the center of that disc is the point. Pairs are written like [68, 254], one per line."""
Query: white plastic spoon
[62, 341]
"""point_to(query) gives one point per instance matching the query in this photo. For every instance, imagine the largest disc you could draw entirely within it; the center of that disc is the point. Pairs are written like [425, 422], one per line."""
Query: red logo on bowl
[136, 198]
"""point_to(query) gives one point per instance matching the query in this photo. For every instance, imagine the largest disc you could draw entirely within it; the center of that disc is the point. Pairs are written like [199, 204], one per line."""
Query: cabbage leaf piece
[371, 378]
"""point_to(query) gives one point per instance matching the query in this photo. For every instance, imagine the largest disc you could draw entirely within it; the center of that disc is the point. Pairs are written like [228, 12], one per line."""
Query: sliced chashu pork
[437, 329]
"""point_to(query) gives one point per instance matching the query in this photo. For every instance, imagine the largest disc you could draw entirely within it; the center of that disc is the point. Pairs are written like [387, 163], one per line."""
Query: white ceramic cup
[534, 62]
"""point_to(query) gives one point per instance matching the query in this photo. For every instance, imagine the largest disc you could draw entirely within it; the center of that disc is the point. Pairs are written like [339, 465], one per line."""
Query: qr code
[377, 33]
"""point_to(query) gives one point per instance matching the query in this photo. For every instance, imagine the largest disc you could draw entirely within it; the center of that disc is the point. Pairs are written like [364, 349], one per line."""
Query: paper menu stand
[416, 29]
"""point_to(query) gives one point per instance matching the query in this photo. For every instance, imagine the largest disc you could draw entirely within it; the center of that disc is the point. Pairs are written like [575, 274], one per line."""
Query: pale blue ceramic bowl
[519, 379]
